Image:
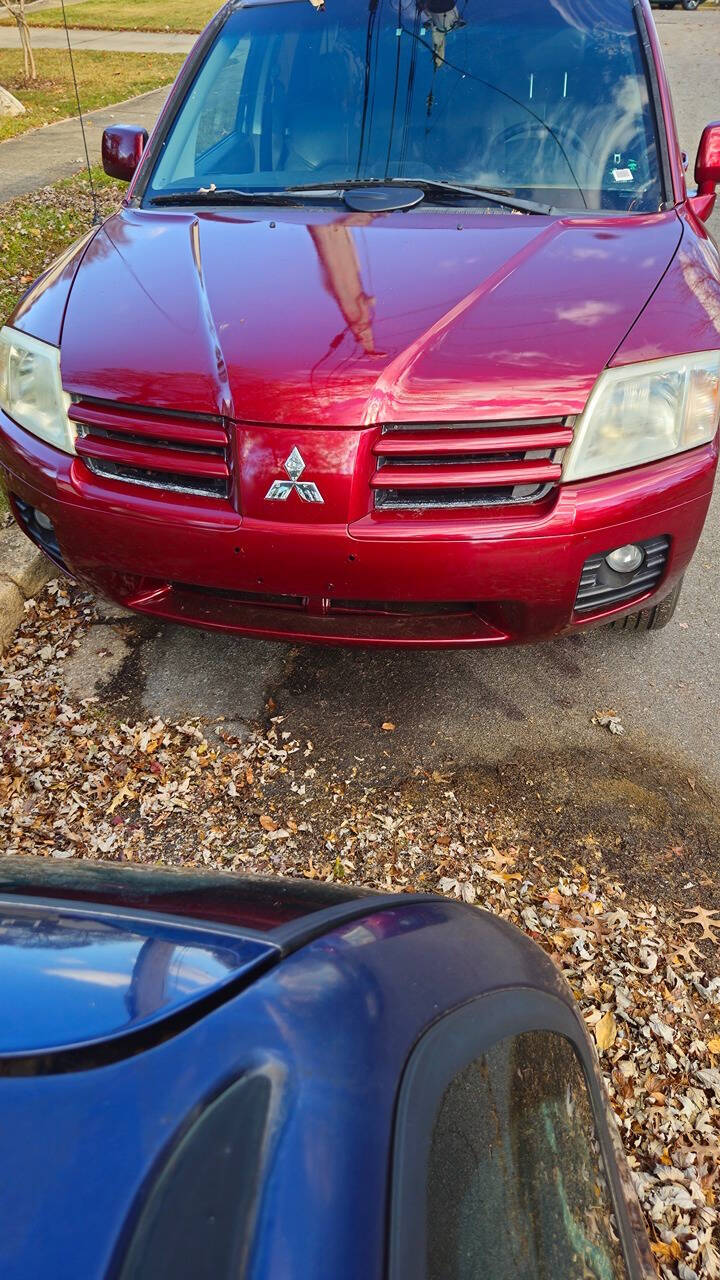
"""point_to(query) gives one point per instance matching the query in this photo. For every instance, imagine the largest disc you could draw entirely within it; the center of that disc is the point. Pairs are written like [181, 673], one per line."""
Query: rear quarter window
[515, 1181]
[504, 1164]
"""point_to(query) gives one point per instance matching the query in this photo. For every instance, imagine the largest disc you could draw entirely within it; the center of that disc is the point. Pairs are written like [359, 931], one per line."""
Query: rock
[11, 612]
[22, 563]
[9, 106]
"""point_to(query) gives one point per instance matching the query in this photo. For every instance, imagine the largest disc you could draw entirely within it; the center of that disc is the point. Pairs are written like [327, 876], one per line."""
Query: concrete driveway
[515, 724]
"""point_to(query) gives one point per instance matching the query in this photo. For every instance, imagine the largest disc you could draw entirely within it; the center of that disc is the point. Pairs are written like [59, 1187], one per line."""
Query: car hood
[308, 318]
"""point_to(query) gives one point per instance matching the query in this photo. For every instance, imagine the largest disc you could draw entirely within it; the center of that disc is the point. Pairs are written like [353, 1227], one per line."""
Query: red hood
[310, 319]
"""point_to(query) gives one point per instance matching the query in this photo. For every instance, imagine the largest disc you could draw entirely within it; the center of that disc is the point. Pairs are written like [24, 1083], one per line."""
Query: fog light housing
[603, 585]
[40, 528]
[625, 559]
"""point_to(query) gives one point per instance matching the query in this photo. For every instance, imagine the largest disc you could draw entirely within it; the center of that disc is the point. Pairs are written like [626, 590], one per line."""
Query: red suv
[407, 333]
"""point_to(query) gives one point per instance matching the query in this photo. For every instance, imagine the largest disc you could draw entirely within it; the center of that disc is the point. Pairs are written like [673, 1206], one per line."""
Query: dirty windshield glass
[516, 1188]
[547, 99]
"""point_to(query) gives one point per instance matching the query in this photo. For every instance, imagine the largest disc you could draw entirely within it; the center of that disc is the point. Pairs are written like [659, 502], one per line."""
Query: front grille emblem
[280, 490]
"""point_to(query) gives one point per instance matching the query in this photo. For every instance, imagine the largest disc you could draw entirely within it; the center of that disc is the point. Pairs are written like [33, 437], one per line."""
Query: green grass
[34, 229]
[104, 78]
[132, 15]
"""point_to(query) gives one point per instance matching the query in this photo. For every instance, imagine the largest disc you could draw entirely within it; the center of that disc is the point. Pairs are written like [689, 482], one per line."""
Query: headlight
[31, 390]
[641, 412]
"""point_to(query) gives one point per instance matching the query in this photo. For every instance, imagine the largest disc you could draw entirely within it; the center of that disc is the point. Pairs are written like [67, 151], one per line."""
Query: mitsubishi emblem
[280, 490]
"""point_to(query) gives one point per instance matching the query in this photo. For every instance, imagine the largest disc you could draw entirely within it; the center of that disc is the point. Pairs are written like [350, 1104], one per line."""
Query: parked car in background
[210, 1078]
[670, 4]
[407, 333]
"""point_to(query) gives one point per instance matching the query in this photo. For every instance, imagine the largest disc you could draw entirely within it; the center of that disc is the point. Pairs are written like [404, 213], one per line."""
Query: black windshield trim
[656, 107]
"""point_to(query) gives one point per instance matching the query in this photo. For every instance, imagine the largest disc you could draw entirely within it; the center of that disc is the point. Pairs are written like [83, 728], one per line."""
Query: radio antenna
[97, 219]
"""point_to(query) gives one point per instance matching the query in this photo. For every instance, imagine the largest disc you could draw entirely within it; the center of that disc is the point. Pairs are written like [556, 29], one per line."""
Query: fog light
[42, 520]
[625, 559]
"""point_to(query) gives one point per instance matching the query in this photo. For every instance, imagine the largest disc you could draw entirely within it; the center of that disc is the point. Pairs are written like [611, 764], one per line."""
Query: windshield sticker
[622, 175]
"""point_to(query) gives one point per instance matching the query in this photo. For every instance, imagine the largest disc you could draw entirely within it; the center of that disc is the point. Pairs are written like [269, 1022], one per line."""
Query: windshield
[546, 99]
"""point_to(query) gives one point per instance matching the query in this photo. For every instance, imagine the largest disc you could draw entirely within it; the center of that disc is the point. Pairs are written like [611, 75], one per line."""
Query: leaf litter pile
[75, 783]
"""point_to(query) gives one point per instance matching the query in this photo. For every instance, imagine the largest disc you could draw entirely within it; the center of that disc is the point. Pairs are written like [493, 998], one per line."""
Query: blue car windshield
[546, 99]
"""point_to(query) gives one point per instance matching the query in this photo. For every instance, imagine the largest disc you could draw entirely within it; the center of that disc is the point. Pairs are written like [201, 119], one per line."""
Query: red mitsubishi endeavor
[407, 332]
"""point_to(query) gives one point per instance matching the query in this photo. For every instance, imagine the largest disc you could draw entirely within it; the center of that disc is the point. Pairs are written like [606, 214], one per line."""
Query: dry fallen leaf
[667, 1252]
[606, 1031]
[707, 922]
[388, 726]
[608, 720]
[268, 823]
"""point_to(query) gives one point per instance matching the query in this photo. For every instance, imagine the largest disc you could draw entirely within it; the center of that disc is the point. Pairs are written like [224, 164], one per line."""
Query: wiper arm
[497, 195]
[223, 195]
[285, 195]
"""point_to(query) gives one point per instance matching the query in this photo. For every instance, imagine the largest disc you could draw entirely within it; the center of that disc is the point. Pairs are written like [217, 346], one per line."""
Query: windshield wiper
[286, 195]
[496, 195]
[223, 195]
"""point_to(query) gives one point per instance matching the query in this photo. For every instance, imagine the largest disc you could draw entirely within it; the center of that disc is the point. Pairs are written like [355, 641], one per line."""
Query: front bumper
[388, 578]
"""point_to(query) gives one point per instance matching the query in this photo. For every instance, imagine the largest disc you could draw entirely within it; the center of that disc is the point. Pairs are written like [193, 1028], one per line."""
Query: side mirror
[122, 149]
[707, 170]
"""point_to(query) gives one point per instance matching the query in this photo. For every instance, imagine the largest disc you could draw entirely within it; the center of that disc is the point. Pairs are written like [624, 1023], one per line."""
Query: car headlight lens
[31, 391]
[638, 413]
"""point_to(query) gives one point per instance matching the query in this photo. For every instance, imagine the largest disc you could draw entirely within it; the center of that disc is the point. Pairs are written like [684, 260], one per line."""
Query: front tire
[653, 618]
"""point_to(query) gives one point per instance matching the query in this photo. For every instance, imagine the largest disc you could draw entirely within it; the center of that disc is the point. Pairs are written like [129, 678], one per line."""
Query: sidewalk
[42, 156]
[113, 41]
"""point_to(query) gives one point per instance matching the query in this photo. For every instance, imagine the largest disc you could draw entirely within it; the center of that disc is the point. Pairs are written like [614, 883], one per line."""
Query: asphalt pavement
[114, 41]
[522, 717]
[42, 156]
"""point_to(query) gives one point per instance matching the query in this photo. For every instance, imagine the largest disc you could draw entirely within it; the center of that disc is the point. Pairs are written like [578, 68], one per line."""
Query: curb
[23, 572]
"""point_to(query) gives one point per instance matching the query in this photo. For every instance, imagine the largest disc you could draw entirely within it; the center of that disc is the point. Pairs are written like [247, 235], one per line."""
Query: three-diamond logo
[280, 490]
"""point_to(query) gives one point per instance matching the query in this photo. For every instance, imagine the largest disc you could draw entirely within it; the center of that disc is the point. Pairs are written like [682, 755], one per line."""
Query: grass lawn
[34, 229]
[133, 15]
[104, 78]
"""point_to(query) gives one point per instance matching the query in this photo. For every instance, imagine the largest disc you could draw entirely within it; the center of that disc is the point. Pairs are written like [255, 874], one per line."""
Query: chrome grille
[469, 464]
[178, 453]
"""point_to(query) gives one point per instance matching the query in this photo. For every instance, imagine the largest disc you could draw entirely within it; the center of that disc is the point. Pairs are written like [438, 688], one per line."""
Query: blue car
[212, 1078]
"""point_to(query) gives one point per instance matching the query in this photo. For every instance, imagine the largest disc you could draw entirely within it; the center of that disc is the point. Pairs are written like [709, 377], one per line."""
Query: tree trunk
[30, 68]
[10, 106]
[17, 10]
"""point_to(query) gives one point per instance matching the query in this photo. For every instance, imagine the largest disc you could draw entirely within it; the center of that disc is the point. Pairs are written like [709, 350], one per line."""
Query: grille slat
[150, 448]
[468, 464]
[467, 477]
[160, 426]
[152, 457]
[415, 443]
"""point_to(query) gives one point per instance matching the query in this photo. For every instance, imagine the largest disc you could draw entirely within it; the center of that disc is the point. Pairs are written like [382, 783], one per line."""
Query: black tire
[653, 618]
[691, 4]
